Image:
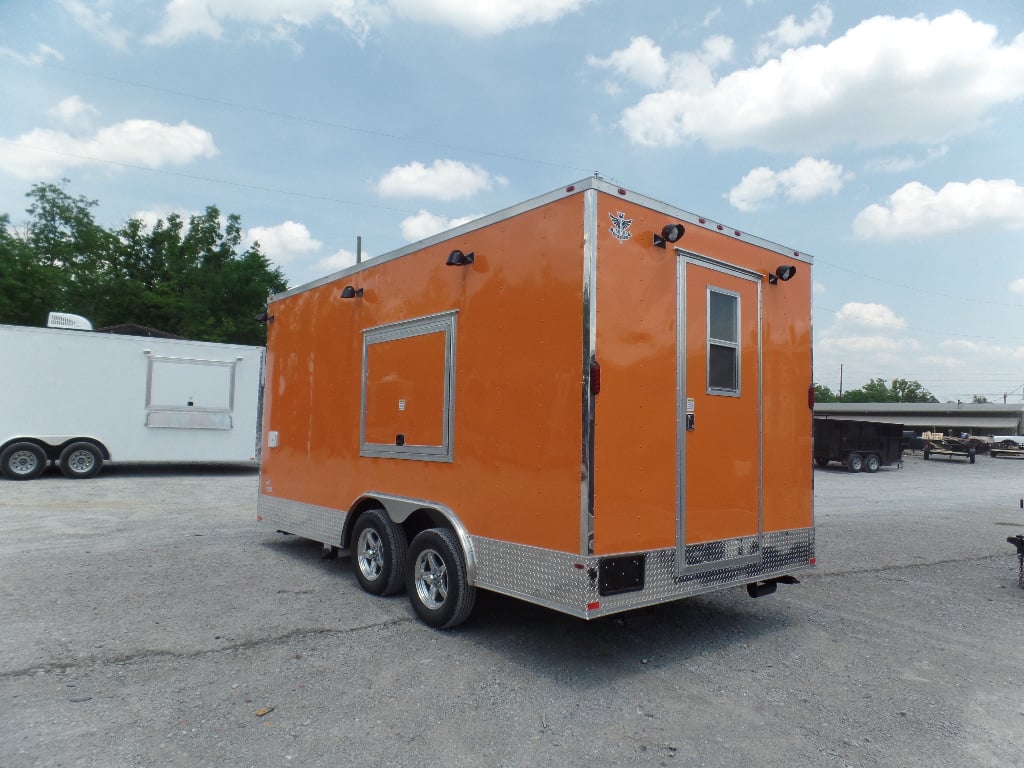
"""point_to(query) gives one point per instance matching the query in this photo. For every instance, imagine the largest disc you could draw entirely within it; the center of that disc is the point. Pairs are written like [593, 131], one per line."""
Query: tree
[979, 399]
[823, 394]
[192, 280]
[901, 391]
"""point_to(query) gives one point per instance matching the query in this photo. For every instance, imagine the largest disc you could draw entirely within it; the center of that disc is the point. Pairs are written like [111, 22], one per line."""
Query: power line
[818, 260]
[210, 179]
[313, 120]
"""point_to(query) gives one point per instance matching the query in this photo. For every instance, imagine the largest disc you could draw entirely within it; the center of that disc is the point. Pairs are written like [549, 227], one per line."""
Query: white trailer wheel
[22, 461]
[872, 463]
[436, 580]
[379, 553]
[81, 460]
[855, 462]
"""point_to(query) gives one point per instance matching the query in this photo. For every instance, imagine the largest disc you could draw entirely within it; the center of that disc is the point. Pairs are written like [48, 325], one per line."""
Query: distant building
[973, 418]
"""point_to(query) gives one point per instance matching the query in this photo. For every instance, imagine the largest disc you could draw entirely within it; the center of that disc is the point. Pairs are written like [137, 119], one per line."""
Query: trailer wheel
[379, 553]
[970, 455]
[872, 463]
[436, 579]
[22, 461]
[80, 460]
[927, 454]
[855, 462]
[820, 461]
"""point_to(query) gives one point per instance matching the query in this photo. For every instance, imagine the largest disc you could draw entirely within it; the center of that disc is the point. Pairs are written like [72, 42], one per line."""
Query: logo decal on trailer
[620, 226]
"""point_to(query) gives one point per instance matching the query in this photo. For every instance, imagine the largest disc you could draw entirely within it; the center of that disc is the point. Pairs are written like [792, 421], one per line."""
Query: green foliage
[823, 394]
[901, 391]
[187, 279]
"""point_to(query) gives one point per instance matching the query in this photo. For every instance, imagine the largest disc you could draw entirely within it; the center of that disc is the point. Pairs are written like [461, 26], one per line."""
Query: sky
[883, 140]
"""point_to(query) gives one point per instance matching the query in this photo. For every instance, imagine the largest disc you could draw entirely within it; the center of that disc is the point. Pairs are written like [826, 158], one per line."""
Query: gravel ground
[145, 620]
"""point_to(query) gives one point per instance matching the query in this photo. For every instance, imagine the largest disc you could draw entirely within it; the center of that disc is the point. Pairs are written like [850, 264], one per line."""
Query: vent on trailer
[67, 320]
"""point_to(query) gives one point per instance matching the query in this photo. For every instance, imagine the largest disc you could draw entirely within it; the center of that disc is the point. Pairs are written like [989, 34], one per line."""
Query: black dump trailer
[860, 445]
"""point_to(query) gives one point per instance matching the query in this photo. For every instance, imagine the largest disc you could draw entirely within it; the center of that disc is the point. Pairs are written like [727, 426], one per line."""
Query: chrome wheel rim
[81, 461]
[431, 578]
[370, 554]
[23, 462]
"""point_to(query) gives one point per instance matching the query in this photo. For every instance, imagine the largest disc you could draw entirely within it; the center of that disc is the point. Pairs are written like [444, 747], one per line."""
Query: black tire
[22, 461]
[81, 460]
[436, 579]
[927, 455]
[855, 462]
[970, 455]
[872, 463]
[378, 553]
[820, 461]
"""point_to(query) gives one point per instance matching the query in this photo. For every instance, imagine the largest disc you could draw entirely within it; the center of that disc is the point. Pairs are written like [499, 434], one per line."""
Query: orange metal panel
[405, 390]
[517, 425]
[635, 413]
[722, 481]
[636, 457]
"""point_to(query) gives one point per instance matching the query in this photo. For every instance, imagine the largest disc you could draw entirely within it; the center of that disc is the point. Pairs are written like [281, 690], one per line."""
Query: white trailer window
[723, 342]
[185, 393]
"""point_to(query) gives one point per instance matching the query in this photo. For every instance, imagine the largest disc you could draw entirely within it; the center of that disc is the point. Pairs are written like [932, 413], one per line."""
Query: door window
[723, 342]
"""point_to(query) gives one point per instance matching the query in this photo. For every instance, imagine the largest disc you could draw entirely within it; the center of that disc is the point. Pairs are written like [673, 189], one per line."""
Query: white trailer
[77, 398]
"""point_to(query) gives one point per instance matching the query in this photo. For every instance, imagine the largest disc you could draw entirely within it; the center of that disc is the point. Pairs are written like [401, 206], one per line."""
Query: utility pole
[359, 248]
[840, 381]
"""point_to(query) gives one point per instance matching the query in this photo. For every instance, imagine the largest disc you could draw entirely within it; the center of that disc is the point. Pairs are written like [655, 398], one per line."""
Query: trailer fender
[402, 509]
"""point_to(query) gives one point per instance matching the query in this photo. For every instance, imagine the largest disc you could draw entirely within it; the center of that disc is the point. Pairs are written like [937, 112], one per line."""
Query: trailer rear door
[719, 392]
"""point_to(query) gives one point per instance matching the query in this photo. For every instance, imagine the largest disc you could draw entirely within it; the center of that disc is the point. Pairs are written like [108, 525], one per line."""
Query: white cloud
[42, 53]
[151, 216]
[444, 180]
[338, 261]
[1017, 286]
[42, 154]
[74, 112]
[424, 224]
[916, 210]
[885, 81]
[790, 32]
[280, 19]
[906, 163]
[485, 17]
[711, 15]
[873, 316]
[284, 243]
[641, 61]
[98, 22]
[876, 345]
[968, 347]
[943, 361]
[806, 179]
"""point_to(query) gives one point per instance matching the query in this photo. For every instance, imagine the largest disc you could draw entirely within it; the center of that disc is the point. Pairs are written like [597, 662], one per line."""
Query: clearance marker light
[593, 606]
[812, 561]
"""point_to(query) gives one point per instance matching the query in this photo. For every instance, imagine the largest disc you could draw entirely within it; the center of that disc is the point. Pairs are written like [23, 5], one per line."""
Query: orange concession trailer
[592, 401]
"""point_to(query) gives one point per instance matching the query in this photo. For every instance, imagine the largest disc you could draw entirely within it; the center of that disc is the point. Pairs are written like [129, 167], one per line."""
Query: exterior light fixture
[348, 292]
[669, 234]
[783, 273]
[459, 259]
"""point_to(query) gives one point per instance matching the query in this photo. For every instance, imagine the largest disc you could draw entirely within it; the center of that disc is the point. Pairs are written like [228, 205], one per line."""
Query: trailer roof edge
[577, 187]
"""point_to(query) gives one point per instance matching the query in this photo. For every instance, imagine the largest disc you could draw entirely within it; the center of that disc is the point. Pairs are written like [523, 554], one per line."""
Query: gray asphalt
[145, 620]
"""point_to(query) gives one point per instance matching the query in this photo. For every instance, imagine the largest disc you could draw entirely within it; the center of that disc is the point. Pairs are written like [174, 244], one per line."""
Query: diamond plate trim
[568, 583]
[321, 524]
